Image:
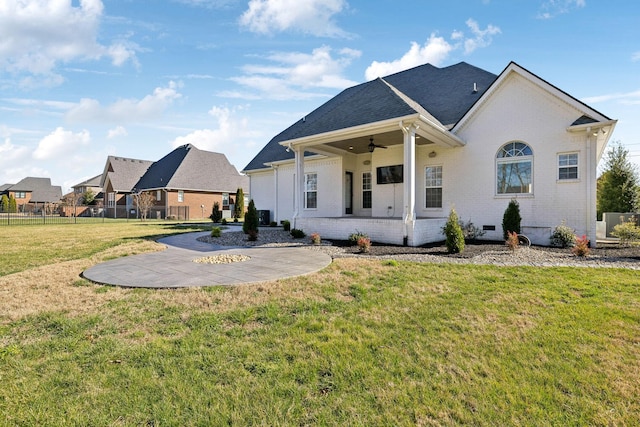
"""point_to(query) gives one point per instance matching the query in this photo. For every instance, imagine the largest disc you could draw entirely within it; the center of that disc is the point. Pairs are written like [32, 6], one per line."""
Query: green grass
[29, 246]
[361, 343]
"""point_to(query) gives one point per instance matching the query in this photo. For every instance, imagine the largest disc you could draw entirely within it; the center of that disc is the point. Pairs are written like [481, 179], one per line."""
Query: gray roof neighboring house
[123, 173]
[445, 94]
[91, 182]
[5, 187]
[188, 168]
[40, 188]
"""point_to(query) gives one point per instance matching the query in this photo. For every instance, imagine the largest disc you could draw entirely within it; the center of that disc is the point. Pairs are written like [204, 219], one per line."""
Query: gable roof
[188, 168]
[443, 94]
[40, 188]
[5, 187]
[91, 182]
[123, 173]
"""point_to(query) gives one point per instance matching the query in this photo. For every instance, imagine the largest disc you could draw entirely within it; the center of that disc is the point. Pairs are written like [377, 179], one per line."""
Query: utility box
[264, 217]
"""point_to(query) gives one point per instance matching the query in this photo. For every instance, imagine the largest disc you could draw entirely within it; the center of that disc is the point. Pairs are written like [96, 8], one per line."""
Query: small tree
[239, 206]
[511, 219]
[617, 187]
[88, 197]
[251, 219]
[4, 203]
[453, 234]
[13, 205]
[216, 214]
[144, 200]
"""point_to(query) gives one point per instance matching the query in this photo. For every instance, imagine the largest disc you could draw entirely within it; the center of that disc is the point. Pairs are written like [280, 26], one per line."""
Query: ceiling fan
[373, 146]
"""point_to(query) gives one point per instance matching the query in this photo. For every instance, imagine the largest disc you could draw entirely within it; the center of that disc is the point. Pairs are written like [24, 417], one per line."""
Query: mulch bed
[606, 250]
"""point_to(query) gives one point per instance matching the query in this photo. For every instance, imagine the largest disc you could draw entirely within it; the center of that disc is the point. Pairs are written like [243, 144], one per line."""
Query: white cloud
[37, 35]
[116, 132]
[290, 75]
[481, 38]
[126, 110]
[233, 135]
[59, 143]
[552, 8]
[313, 17]
[435, 50]
[628, 98]
[11, 154]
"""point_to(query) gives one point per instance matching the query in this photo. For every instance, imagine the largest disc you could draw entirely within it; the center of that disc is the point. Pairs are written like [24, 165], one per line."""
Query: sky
[84, 79]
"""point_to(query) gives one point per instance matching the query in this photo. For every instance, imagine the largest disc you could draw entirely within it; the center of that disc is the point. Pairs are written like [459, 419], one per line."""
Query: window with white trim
[310, 191]
[20, 194]
[567, 166]
[514, 169]
[433, 186]
[366, 190]
[159, 195]
[111, 200]
[225, 200]
[180, 196]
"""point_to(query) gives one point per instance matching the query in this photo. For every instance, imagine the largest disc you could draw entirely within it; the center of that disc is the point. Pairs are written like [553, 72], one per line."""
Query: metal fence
[83, 215]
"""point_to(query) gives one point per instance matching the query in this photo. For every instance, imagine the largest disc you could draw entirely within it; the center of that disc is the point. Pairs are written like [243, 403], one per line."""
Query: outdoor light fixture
[373, 146]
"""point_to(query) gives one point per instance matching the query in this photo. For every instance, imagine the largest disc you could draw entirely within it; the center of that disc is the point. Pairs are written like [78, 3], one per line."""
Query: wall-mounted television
[389, 174]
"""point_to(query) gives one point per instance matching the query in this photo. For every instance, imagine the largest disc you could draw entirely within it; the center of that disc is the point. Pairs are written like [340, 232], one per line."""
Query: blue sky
[81, 80]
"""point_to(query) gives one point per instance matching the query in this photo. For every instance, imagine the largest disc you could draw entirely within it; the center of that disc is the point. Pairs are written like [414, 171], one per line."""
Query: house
[118, 179]
[392, 156]
[75, 205]
[34, 194]
[185, 183]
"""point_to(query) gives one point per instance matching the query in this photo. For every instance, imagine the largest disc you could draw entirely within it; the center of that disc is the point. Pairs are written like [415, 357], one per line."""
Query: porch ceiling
[360, 145]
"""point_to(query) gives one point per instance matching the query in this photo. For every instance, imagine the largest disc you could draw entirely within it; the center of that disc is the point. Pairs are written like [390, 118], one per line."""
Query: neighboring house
[185, 183]
[118, 180]
[34, 194]
[392, 156]
[74, 201]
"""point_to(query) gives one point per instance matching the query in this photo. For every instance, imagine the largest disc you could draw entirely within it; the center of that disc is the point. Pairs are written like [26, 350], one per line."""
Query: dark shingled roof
[583, 120]
[445, 93]
[124, 173]
[188, 168]
[91, 182]
[41, 189]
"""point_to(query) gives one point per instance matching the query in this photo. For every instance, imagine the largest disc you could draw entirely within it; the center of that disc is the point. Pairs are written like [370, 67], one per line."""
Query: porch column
[409, 186]
[275, 186]
[299, 185]
[591, 169]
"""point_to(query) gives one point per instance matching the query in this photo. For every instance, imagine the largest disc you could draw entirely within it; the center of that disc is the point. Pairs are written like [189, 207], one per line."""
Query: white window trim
[514, 159]
[370, 189]
[441, 186]
[558, 167]
[180, 196]
[306, 191]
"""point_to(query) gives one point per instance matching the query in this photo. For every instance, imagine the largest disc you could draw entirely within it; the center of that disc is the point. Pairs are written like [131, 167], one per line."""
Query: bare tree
[144, 200]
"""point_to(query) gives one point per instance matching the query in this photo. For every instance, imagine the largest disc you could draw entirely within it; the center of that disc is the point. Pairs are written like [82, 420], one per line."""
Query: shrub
[512, 241]
[581, 246]
[470, 231]
[251, 219]
[511, 219]
[364, 244]
[286, 225]
[297, 234]
[216, 214]
[354, 237]
[454, 238]
[252, 235]
[238, 210]
[224, 221]
[4, 203]
[273, 224]
[216, 231]
[628, 232]
[315, 239]
[235, 220]
[563, 236]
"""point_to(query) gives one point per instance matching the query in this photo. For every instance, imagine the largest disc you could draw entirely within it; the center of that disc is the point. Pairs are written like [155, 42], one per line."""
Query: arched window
[514, 163]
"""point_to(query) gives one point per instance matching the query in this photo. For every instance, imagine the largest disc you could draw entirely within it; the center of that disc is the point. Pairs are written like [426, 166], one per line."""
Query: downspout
[275, 205]
[590, 219]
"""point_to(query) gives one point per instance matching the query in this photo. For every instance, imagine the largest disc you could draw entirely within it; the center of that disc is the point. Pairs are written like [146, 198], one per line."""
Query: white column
[590, 173]
[299, 185]
[409, 186]
[276, 195]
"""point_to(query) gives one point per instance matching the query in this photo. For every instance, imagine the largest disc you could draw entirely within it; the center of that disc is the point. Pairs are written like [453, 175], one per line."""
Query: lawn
[363, 342]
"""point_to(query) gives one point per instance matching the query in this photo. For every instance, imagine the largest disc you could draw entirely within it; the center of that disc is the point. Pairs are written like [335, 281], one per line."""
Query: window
[310, 191]
[111, 200]
[21, 195]
[180, 196]
[366, 190]
[225, 200]
[158, 195]
[433, 185]
[568, 166]
[514, 169]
